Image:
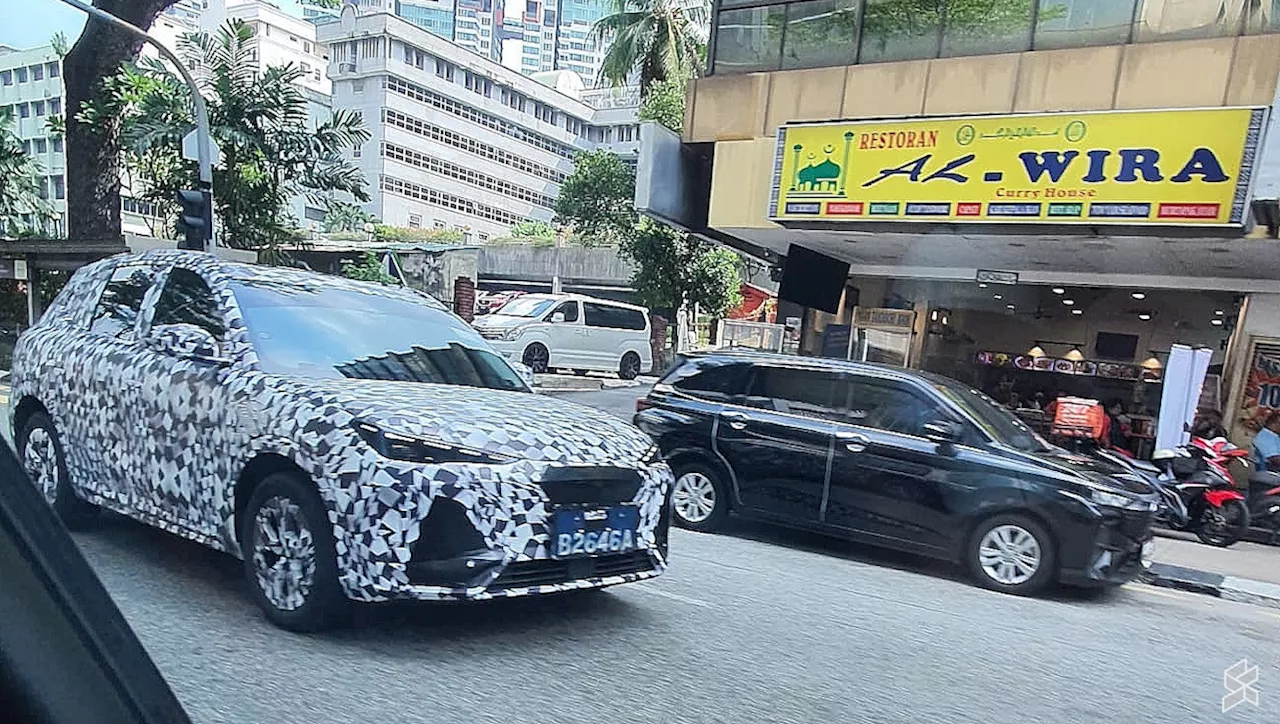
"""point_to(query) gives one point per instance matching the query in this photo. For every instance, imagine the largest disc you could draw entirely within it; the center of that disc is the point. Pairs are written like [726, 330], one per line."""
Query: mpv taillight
[643, 403]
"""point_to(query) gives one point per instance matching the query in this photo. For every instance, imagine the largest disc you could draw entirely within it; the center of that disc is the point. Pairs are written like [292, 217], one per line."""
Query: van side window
[812, 393]
[569, 309]
[611, 317]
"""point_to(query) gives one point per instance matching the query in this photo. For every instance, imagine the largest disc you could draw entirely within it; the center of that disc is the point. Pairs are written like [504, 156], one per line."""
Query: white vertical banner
[1183, 377]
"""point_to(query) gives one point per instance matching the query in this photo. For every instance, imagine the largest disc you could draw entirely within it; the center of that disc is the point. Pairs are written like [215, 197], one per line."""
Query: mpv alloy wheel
[698, 498]
[629, 368]
[289, 554]
[1012, 553]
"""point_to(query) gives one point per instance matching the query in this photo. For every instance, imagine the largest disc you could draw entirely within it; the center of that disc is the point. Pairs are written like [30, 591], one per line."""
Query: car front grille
[1136, 524]
[577, 485]
[551, 572]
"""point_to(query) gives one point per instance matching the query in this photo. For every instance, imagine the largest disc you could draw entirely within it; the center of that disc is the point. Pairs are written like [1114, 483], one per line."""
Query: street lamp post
[203, 148]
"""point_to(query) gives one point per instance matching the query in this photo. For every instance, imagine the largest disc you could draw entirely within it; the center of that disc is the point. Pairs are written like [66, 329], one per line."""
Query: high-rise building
[282, 38]
[458, 140]
[434, 16]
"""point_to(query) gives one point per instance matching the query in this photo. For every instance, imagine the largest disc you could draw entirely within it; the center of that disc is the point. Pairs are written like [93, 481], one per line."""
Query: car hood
[516, 424]
[501, 321]
[1088, 469]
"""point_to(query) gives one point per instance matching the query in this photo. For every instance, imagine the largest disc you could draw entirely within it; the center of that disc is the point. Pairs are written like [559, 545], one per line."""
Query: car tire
[43, 459]
[308, 595]
[536, 357]
[699, 498]
[1002, 547]
[629, 367]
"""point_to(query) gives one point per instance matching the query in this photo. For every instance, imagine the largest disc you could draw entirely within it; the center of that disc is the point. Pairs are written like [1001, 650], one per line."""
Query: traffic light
[195, 222]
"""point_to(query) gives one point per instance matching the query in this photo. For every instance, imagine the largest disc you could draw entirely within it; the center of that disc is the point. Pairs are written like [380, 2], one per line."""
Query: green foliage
[259, 120]
[400, 234]
[367, 269]
[343, 216]
[60, 45]
[672, 267]
[21, 184]
[891, 21]
[533, 229]
[665, 103]
[652, 39]
[597, 198]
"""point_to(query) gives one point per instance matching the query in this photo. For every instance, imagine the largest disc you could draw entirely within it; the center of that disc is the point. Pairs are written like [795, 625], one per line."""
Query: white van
[570, 331]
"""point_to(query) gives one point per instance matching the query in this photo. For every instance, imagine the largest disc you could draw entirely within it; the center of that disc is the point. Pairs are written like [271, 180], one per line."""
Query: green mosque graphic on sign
[820, 179]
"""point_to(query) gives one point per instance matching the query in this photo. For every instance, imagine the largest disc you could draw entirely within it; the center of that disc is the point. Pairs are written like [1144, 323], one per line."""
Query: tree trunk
[93, 158]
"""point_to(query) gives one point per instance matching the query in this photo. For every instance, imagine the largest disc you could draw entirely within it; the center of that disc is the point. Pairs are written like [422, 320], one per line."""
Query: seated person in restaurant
[1266, 444]
[1208, 425]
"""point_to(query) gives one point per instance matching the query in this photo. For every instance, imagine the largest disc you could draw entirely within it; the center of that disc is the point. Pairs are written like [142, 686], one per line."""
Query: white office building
[458, 140]
[282, 38]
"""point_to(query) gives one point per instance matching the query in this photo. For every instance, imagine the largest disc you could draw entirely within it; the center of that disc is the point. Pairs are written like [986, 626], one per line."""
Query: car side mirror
[557, 317]
[943, 432]
[186, 341]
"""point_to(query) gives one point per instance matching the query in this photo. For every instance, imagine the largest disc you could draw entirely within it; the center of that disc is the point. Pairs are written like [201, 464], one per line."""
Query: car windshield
[348, 333]
[994, 420]
[525, 307]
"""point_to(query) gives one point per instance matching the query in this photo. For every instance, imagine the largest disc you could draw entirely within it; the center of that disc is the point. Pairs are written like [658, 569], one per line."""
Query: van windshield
[525, 307]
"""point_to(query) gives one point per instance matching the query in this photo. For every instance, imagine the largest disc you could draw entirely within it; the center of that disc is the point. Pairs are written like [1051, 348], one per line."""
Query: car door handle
[853, 442]
[736, 420]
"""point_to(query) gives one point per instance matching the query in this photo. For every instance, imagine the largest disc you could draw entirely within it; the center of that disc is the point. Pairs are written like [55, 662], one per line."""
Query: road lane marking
[1192, 597]
[674, 596]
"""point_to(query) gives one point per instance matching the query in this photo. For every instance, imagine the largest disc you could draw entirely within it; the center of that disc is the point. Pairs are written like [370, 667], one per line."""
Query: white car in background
[571, 331]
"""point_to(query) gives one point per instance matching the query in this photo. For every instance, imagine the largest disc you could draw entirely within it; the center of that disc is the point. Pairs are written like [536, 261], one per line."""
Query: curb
[1230, 588]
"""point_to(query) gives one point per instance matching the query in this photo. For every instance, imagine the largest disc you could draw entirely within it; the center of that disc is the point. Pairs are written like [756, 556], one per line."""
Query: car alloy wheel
[40, 460]
[284, 554]
[694, 497]
[1010, 555]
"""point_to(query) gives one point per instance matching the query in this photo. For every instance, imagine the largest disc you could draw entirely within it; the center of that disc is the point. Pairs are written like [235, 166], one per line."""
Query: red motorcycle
[1197, 493]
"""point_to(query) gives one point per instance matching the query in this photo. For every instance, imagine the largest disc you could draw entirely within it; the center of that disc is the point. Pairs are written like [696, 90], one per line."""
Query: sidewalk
[1247, 572]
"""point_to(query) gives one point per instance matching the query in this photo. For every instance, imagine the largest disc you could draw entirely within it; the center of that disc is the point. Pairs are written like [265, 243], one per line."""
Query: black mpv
[892, 457]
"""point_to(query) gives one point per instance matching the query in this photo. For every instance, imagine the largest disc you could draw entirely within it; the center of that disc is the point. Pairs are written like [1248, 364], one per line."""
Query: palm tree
[652, 39]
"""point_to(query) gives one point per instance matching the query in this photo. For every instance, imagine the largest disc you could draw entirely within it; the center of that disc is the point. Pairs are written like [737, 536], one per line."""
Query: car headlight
[510, 334]
[416, 450]
[1109, 499]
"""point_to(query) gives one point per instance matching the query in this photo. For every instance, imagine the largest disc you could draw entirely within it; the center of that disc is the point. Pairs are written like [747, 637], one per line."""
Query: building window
[37, 72]
[887, 37]
[57, 145]
[38, 108]
[24, 110]
[1191, 19]
[440, 167]
[42, 145]
[415, 221]
[981, 34]
[482, 237]
[22, 75]
[821, 33]
[306, 46]
[438, 224]
[6, 77]
[55, 106]
[1082, 23]
[749, 40]
[59, 187]
[54, 70]
[444, 69]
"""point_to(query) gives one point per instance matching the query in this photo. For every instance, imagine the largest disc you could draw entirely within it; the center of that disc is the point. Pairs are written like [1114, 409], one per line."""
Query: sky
[40, 19]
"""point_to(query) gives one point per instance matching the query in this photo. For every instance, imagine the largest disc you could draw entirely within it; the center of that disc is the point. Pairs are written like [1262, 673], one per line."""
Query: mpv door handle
[853, 442]
[736, 420]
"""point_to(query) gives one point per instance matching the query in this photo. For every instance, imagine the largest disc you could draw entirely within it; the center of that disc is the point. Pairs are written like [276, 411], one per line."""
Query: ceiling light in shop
[1218, 312]
[1151, 363]
[982, 285]
[1217, 322]
[1139, 295]
[1077, 311]
[1075, 355]
[1059, 290]
[1009, 306]
[1144, 317]
[998, 296]
[1036, 351]
[1069, 302]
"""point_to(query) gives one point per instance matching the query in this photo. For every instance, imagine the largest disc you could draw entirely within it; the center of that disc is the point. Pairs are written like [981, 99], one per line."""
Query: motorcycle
[1264, 502]
[1197, 493]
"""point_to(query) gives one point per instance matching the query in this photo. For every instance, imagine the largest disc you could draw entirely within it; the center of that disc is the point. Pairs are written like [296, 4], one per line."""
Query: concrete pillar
[34, 308]
[1258, 324]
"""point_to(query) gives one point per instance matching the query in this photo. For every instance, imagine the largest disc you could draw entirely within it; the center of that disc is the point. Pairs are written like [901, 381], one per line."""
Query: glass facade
[758, 35]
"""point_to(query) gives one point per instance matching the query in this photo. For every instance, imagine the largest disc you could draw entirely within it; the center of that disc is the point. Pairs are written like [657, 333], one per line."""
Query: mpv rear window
[708, 378]
[607, 315]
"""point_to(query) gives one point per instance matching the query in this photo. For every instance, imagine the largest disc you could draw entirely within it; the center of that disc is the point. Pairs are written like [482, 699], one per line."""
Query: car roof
[584, 298]
[823, 363]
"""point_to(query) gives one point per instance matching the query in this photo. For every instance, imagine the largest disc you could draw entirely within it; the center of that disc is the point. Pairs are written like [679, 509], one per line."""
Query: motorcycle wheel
[1223, 526]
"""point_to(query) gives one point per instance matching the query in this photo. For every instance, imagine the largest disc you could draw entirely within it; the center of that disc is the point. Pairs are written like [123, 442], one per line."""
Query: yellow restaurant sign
[1172, 167]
